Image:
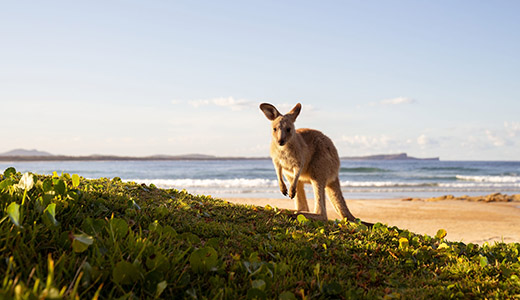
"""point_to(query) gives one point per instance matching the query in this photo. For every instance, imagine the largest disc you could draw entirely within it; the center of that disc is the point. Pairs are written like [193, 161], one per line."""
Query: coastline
[465, 220]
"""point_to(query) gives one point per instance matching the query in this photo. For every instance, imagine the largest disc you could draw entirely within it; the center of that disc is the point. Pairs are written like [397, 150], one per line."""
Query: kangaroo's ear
[293, 114]
[270, 111]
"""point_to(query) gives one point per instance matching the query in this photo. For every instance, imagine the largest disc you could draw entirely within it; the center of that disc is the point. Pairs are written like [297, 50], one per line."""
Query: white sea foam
[503, 179]
[381, 184]
[261, 183]
[203, 183]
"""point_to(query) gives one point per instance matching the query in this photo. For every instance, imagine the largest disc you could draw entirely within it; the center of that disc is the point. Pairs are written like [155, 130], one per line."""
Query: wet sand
[465, 221]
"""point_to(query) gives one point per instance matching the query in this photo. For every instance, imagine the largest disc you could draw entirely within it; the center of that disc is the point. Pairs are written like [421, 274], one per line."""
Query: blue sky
[430, 78]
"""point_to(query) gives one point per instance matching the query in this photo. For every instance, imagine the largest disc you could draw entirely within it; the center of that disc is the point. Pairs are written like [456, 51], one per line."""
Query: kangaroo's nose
[281, 142]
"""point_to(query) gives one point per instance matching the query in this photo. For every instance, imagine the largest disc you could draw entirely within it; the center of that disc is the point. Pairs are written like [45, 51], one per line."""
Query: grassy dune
[68, 237]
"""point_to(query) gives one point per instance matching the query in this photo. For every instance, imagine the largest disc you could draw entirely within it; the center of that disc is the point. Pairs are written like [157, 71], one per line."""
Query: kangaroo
[305, 156]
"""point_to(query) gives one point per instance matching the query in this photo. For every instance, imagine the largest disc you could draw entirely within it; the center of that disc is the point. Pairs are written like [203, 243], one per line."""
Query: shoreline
[465, 221]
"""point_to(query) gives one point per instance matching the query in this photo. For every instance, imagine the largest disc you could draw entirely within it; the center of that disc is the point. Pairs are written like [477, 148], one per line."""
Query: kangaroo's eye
[288, 129]
[274, 129]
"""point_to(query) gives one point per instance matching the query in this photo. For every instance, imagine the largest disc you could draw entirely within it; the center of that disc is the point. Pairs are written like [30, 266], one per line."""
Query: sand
[465, 221]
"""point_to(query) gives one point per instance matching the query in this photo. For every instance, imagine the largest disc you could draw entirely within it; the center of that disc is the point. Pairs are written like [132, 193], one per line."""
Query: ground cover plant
[63, 236]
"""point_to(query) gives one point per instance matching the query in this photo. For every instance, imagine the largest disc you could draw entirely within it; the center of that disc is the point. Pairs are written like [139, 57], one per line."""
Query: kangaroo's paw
[283, 189]
[292, 192]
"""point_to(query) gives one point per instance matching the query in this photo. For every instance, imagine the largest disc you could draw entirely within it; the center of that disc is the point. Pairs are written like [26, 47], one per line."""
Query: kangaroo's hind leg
[319, 199]
[336, 197]
[301, 199]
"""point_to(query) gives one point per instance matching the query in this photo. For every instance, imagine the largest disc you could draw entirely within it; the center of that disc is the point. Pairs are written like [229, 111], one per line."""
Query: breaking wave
[224, 183]
[498, 179]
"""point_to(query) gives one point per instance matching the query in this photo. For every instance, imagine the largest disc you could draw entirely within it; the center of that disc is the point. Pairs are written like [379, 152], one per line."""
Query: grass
[68, 237]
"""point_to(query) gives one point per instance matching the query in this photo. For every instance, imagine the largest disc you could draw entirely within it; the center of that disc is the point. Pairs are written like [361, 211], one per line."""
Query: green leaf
[302, 219]
[59, 186]
[125, 273]
[168, 231]
[443, 246]
[75, 180]
[483, 261]
[256, 294]
[441, 234]
[332, 288]
[5, 184]
[287, 296]
[258, 284]
[297, 235]
[47, 185]
[9, 172]
[361, 227]
[161, 286]
[93, 226]
[81, 242]
[49, 215]
[119, 227]
[158, 261]
[73, 195]
[204, 259]
[155, 227]
[213, 242]
[191, 238]
[83, 238]
[403, 243]
[316, 270]
[13, 210]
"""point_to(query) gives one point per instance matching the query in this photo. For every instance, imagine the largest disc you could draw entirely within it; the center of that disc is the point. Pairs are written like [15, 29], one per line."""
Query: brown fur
[305, 156]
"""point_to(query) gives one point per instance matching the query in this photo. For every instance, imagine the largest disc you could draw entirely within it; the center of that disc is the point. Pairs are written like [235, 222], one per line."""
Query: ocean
[257, 179]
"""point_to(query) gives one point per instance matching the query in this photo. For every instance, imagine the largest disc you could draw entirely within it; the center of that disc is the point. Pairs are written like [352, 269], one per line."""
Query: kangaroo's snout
[283, 132]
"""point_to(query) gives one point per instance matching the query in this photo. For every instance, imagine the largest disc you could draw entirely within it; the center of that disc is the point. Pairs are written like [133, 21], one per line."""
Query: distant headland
[36, 155]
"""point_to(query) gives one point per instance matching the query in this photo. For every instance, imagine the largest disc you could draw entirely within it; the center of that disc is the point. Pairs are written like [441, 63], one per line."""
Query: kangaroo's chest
[291, 165]
[289, 159]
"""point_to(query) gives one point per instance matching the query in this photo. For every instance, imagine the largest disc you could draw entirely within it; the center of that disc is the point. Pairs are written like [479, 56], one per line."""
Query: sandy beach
[465, 221]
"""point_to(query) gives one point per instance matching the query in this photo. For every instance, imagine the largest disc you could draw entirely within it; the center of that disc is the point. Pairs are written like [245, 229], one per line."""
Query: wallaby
[305, 156]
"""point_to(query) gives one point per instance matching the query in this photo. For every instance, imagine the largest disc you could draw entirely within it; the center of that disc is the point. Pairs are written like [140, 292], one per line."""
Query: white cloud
[397, 101]
[422, 140]
[425, 141]
[495, 140]
[512, 128]
[362, 141]
[227, 102]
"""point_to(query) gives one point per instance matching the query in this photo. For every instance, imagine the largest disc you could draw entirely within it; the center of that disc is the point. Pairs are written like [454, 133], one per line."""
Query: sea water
[257, 178]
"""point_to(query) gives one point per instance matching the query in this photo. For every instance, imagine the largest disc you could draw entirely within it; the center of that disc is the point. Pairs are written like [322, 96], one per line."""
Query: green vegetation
[68, 237]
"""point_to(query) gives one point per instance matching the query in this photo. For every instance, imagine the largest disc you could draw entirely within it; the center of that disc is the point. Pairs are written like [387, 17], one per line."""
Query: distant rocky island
[399, 156]
[36, 155]
[24, 152]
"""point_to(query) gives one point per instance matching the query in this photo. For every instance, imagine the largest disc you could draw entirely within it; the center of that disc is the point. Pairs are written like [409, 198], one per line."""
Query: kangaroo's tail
[336, 197]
